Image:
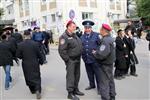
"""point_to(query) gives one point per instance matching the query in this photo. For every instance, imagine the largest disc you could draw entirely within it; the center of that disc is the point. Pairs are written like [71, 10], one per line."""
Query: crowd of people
[99, 52]
[32, 47]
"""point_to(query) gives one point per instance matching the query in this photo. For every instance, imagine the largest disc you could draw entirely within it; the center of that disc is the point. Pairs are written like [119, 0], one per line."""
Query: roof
[126, 20]
[7, 22]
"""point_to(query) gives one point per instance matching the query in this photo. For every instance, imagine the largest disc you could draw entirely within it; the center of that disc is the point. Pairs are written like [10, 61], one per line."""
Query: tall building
[53, 14]
[8, 6]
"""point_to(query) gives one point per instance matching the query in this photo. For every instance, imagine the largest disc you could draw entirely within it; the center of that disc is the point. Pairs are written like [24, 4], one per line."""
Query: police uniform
[90, 41]
[70, 49]
[105, 55]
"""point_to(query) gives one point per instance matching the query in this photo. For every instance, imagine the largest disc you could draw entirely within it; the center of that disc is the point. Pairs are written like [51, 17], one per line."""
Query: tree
[143, 10]
[1, 12]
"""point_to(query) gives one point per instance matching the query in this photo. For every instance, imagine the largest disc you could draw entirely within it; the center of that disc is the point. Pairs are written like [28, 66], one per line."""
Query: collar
[68, 34]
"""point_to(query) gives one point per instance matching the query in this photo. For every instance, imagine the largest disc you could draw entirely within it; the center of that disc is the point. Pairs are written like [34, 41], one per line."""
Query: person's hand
[43, 41]
[124, 46]
[126, 56]
[93, 51]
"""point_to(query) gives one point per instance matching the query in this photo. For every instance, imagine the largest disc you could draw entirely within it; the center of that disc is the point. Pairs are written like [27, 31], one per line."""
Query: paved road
[53, 80]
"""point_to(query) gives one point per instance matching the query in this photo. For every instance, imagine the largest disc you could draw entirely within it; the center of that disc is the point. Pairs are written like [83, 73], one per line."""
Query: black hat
[8, 28]
[87, 23]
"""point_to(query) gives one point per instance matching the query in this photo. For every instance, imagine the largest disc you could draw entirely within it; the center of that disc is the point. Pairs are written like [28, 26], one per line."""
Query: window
[115, 16]
[43, 1]
[53, 17]
[112, 4]
[26, 5]
[118, 5]
[10, 9]
[87, 15]
[82, 3]
[20, 5]
[45, 19]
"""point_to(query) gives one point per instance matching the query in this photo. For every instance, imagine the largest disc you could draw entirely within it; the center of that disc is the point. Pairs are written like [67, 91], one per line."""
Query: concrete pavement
[53, 80]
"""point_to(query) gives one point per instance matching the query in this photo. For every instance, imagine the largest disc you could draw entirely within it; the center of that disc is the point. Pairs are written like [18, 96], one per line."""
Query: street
[54, 82]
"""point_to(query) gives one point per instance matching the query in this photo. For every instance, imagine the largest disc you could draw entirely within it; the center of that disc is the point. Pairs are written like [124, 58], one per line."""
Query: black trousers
[119, 72]
[107, 85]
[47, 47]
[93, 74]
[131, 67]
[73, 75]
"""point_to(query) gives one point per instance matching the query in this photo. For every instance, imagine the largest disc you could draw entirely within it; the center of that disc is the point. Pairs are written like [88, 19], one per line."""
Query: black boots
[72, 96]
[77, 92]
[89, 88]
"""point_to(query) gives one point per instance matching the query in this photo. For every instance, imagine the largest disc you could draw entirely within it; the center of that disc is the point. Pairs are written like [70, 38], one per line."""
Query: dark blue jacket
[38, 36]
[89, 43]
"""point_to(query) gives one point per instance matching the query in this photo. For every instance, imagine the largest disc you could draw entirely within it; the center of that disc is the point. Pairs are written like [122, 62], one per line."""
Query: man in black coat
[131, 59]
[148, 36]
[120, 63]
[29, 52]
[17, 36]
[13, 42]
[6, 59]
[131, 27]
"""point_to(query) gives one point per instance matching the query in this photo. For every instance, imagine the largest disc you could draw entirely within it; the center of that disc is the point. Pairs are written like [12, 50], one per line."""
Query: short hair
[26, 32]
[36, 28]
[29, 30]
[69, 23]
[119, 31]
[16, 30]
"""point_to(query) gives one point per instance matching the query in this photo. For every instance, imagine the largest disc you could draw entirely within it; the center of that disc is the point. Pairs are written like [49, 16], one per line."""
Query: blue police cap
[87, 23]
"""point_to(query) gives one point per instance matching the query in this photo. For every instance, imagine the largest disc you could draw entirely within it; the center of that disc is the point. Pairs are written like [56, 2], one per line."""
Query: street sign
[71, 14]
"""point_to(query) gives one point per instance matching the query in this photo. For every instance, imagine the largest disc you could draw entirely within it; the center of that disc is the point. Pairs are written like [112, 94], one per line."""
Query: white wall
[99, 13]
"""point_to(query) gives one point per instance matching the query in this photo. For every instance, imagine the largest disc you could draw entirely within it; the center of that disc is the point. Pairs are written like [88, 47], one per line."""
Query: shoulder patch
[62, 41]
[102, 47]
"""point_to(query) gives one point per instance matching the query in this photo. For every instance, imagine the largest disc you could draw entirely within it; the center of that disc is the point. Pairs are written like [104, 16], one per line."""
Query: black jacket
[29, 52]
[130, 50]
[132, 28]
[13, 43]
[6, 53]
[70, 47]
[18, 37]
[120, 62]
[105, 54]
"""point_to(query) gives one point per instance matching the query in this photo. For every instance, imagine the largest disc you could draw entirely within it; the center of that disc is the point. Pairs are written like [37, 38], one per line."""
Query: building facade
[53, 14]
[8, 6]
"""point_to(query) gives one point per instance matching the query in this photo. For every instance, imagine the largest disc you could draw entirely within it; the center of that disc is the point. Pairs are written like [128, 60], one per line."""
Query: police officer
[90, 41]
[105, 55]
[70, 49]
